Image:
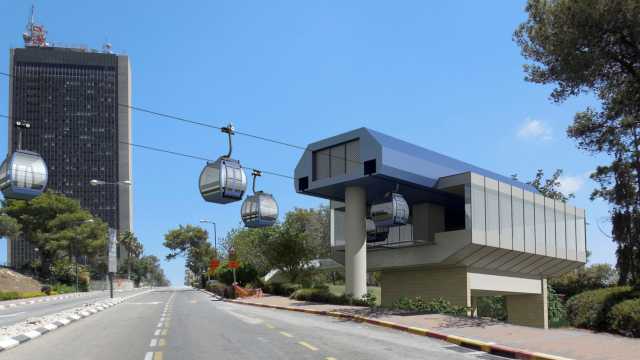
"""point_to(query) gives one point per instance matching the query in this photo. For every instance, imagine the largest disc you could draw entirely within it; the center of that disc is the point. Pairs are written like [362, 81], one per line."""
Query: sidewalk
[570, 343]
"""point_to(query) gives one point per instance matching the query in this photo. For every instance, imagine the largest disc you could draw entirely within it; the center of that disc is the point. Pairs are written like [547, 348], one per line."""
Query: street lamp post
[96, 182]
[75, 248]
[215, 235]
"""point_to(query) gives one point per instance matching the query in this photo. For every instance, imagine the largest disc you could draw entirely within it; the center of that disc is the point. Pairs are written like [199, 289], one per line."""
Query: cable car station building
[470, 232]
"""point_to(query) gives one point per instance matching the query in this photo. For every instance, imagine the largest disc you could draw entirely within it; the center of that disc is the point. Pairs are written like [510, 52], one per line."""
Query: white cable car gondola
[393, 211]
[223, 181]
[260, 209]
[374, 234]
[23, 174]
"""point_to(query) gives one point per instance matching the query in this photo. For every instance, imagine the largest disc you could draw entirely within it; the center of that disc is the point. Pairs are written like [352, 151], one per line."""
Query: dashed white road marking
[148, 355]
[160, 324]
[153, 342]
[156, 333]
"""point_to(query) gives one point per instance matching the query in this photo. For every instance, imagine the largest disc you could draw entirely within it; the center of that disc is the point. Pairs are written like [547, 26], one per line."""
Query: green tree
[549, 187]
[594, 46]
[289, 247]
[9, 227]
[58, 227]
[191, 241]
[596, 276]
[133, 247]
[147, 268]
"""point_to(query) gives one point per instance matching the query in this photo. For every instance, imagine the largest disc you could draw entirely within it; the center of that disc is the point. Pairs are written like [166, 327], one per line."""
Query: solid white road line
[11, 315]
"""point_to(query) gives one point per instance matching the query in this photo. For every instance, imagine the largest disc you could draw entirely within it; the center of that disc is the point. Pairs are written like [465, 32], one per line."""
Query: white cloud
[570, 184]
[534, 129]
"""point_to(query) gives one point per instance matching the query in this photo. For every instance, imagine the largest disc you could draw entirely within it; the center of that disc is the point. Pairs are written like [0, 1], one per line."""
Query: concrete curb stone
[478, 345]
[10, 342]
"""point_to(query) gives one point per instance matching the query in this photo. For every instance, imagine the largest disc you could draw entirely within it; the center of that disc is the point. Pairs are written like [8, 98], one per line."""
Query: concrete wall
[447, 283]
[530, 309]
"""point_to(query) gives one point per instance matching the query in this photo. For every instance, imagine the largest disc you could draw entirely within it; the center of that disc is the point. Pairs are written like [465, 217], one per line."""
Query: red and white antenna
[35, 34]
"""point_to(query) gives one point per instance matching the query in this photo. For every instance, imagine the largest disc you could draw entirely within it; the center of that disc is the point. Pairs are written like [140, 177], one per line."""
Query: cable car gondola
[375, 234]
[260, 209]
[393, 211]
[223, 181]
[23, 174]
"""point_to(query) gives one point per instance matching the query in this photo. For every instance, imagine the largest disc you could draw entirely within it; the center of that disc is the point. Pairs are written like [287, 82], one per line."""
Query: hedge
[590, 309]
[281, 289]
[322, 295]
[624, 318]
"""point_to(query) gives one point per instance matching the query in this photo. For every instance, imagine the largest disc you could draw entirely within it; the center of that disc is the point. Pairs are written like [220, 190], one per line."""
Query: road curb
[41, 299]
[477, 345]
[11, 342]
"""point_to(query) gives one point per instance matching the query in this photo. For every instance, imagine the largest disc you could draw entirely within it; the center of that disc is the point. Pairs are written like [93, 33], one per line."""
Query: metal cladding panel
[478, 235]
[492, 212]
[550, 229]
[529, 223]
[571, 233]
[541, 248]
[506, 228]
[561, 230]
[581, 235]
[517, 206]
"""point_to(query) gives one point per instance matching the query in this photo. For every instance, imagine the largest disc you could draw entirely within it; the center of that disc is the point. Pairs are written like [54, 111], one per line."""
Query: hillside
[13, 281]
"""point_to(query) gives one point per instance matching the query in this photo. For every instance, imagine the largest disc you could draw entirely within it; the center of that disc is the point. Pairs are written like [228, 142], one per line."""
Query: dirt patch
[13, 281]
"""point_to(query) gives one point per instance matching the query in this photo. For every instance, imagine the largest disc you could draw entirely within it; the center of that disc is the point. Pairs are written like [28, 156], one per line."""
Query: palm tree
[133, 247]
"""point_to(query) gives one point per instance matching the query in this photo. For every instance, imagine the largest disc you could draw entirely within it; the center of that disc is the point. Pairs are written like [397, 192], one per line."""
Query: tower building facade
[77, 102]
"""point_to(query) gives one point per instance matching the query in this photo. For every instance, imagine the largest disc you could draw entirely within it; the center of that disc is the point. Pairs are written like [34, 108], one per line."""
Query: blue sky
[443, 75]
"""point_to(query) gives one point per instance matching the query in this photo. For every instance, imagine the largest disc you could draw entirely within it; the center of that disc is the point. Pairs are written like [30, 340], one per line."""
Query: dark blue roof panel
[432, 164]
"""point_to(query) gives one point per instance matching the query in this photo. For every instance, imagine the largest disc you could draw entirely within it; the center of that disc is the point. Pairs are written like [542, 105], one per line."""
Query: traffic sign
[214, 264]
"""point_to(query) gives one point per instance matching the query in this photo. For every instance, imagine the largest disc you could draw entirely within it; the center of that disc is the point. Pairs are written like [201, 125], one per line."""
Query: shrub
[46, 289]
[433, 306]
[245, 274]
[593, 277]
[590, 308]
[325, 296]
[557, 310]
[281, 289]
[624, 318]
[494, 307]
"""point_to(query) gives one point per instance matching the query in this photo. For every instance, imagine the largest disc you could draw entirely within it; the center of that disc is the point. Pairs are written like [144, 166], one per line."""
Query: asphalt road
[188, 324]
[20, 313]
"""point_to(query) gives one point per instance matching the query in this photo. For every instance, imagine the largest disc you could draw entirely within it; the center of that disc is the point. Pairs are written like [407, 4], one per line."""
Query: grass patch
[14, 295]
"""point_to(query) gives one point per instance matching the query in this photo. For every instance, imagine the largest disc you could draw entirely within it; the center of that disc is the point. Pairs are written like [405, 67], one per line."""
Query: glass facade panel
[322, 164]
[353, 157]
[338, 160]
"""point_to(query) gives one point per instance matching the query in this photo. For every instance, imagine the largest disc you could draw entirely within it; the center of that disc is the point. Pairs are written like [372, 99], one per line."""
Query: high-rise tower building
[76, 101]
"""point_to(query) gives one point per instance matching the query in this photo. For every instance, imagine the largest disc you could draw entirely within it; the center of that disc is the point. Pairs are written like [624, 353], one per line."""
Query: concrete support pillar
[355, 236]
[529, 310]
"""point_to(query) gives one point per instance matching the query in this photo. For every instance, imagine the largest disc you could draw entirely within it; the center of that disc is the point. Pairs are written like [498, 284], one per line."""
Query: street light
[96, 182]
[75, 247]
[215, 235]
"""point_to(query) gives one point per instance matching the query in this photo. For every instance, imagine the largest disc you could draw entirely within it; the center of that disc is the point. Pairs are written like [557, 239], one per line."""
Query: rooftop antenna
[35, 34]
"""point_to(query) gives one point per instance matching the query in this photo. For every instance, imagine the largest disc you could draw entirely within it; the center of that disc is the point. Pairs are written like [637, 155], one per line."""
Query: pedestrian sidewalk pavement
[565, 342]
